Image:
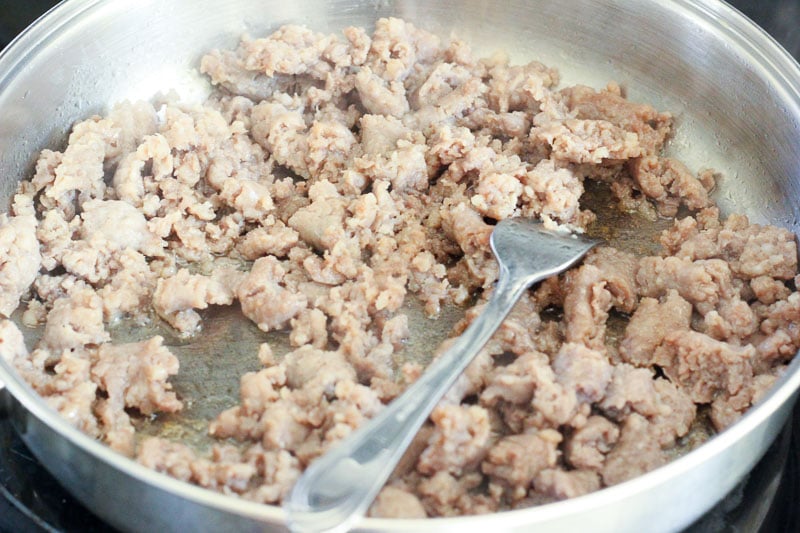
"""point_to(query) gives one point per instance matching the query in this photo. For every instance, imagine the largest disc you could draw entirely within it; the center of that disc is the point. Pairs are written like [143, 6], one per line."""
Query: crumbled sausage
[652, 320]
[19, 250]
[516, 460]
[330, 179]
[394, 502]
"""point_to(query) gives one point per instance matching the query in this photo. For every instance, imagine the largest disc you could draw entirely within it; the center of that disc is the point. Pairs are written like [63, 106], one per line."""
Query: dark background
[781, 18]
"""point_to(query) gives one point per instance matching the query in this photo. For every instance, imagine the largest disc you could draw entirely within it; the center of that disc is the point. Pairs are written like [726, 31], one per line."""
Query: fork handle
[338, 488]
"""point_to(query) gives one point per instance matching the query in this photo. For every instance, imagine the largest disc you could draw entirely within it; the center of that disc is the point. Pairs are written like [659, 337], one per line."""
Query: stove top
[32, 501]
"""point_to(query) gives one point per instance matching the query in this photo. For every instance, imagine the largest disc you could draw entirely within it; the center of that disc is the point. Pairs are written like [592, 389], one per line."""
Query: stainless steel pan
[736, 95]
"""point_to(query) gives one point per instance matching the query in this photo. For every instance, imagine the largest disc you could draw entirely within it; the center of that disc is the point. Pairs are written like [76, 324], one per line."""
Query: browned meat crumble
[400, 149]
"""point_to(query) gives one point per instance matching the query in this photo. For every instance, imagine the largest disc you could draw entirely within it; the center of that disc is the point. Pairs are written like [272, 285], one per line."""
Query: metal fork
[338, 488]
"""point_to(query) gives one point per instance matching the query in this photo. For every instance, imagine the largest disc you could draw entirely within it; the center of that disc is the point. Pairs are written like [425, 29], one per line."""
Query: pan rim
[775, 64]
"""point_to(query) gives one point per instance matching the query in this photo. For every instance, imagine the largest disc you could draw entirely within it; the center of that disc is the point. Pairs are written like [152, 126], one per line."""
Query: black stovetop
[32, 501]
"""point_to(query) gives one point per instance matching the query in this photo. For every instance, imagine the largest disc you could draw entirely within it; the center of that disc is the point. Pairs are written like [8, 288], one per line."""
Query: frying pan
[736, 95]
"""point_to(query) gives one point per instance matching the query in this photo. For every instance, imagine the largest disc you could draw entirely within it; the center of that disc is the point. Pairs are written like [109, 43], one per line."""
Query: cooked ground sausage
[328, 179]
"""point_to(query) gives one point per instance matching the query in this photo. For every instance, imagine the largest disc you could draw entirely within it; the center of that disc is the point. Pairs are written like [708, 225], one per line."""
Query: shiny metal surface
[338, 488]
[735, 93]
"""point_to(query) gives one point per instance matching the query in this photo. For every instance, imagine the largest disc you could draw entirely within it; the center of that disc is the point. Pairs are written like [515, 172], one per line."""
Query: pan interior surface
[735, 95]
